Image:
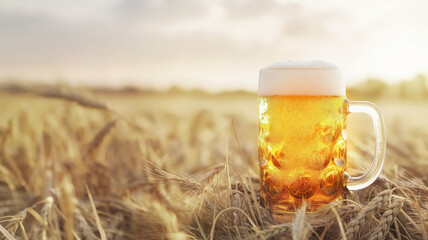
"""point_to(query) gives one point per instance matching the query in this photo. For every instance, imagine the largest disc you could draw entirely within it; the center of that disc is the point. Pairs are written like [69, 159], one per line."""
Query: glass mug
[302, 136]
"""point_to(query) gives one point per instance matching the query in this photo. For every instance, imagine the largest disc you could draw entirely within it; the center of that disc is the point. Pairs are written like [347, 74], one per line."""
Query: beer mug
[302, 136]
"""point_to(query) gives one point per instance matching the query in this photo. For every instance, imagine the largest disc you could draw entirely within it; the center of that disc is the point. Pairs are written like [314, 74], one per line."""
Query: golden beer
[302, 136]
[302, 150]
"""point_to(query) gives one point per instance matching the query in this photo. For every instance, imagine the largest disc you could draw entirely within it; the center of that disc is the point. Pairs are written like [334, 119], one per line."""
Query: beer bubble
[346, 176]
[346, 106]
[331, 129]
[262, 107]
[321, 158]
[339, 152]
[326, 128]
[272, 180]
[264, 156]
[344, 134]
[261, 154]
[331, 181]
[301, 184]
[262, 162]
[276, 155]
[340, 162]
[271, 189]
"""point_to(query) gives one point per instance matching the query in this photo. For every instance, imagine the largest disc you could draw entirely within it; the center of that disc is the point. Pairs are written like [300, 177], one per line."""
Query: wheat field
[82, 164]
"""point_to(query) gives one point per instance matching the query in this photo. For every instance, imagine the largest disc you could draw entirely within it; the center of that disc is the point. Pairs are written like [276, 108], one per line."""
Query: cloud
[239, 10]
[310, 22]
[149, 12]
[175, 41]
[201, 43]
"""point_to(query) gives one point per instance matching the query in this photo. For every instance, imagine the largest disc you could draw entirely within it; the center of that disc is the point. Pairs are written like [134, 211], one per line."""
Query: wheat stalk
[75, 98]
[273, 231]
[182, 180]
[14, 223]
[97, 218]
[96, 141]
[300, 226]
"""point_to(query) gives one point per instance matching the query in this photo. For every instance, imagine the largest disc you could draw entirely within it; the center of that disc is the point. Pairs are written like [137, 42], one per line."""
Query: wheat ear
[374, 206]
[386, 220]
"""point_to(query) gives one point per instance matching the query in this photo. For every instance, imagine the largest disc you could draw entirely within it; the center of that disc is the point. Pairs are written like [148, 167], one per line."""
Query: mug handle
[359, 182]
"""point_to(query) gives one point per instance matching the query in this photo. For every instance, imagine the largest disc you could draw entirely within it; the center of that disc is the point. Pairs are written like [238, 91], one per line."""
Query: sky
[211, 44]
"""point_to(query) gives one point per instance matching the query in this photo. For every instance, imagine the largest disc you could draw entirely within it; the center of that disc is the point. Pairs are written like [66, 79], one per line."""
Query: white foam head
[317, 78]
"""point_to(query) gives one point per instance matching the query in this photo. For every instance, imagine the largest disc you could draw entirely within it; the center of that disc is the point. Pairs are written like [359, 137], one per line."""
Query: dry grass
[183, 167]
